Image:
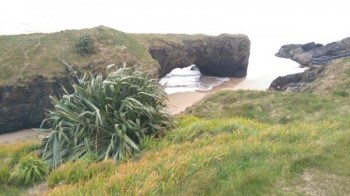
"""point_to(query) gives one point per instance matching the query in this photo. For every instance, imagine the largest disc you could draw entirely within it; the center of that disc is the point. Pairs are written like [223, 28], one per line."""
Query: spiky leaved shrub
[85, 45]
[29, 170]
[105, 116]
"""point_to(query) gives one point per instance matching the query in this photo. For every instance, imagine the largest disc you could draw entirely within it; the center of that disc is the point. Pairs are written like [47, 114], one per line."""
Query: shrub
[341, 93]
[106, 117]
[29, 170]
[22, 151]
[85, 45]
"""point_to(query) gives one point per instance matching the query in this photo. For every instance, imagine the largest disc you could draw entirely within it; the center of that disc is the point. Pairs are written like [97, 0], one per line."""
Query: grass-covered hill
[25, 56]
[231, 143]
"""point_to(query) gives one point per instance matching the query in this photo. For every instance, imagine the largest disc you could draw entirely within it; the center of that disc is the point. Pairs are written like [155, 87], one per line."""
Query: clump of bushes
[21, 165]
[85, 45]
[105, 116]
[22, 151]
[29, 170]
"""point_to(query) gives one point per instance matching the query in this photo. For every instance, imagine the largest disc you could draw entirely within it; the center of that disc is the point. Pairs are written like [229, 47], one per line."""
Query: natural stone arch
[224, 55]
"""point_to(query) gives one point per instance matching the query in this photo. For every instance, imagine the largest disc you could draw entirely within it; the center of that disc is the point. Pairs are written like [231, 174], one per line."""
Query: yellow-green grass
[216, 157]
[274, 107]
[335, 79]
[244, 143]
[25, 56]
[238, 143]
[10, 154]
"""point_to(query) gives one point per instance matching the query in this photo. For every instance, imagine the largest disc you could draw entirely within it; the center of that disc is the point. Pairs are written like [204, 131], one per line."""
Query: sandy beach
[178, 102]
[19, 135]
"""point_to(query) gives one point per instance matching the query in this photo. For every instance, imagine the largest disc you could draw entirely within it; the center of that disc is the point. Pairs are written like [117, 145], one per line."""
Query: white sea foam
[189, 79]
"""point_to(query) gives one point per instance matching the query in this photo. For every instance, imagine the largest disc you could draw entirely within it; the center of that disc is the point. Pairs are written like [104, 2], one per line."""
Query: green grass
[10, 155]
[24, 56]
[231, 143]
[215, 157]
[273, 107]
[334, 79]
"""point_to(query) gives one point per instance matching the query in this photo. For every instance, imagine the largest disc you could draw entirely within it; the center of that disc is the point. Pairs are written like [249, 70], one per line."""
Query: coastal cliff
[35, 66]
[224, 55]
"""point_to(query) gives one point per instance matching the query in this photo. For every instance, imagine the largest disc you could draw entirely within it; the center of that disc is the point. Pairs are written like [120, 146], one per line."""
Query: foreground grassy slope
[24, 56]
[282, 141]
[237, 143]
[215, 157]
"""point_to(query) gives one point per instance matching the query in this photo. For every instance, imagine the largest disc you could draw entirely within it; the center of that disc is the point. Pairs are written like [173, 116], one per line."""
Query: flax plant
[105, 116]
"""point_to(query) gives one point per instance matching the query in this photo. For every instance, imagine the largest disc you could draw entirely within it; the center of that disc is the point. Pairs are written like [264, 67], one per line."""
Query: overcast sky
[285, 18]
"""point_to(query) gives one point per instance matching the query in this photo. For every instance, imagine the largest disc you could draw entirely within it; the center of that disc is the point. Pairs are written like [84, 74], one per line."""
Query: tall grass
[29, 170]
[222, 157]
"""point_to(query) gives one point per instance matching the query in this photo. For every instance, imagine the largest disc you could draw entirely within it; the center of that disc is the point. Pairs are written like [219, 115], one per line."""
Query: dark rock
[22, 106]
[310, 46]
[224, 55]
[315, 54]
[296, 82]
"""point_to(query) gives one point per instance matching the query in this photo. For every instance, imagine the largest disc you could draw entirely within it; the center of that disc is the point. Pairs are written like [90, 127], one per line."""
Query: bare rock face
[224, 55]
[25, 106]
[314, 56]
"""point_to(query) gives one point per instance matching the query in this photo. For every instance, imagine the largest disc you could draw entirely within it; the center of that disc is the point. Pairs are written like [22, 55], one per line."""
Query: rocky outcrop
[223, 56]
[296, 82]
[315, 56]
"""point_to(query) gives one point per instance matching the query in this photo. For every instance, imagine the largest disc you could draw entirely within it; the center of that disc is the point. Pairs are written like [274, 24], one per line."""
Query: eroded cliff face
[23, 106]
[224, 55]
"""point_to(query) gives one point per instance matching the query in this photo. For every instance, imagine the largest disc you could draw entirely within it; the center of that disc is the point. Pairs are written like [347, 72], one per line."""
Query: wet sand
[178, 102]
[19, 135]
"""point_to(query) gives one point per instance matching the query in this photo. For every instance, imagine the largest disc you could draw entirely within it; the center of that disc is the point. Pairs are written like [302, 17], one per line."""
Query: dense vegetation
[85, 45]
[20, 165]
[105, 117]
[235, 142]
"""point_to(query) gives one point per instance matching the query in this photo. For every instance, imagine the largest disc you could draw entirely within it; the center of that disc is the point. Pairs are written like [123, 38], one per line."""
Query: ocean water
[189, 79]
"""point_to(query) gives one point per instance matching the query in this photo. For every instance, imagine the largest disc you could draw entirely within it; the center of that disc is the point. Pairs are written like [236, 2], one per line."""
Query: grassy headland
[234, 142]
[25, 56]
